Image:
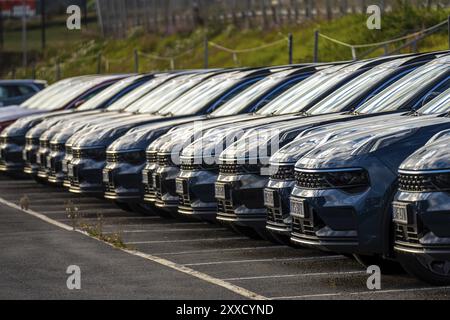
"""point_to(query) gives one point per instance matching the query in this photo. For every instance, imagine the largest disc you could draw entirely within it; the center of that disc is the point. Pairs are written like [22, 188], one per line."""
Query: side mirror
[79, 103]
[429, 97]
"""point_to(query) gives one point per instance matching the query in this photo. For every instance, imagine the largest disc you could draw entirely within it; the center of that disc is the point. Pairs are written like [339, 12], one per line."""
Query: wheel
[386, 266]
[426, 268]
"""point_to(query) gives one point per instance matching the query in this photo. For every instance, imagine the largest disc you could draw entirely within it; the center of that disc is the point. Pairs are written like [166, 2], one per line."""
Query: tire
[425, 268]
[386, 266]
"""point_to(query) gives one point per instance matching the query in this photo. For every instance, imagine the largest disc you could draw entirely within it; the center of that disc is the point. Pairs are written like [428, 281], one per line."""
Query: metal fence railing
[116, 17]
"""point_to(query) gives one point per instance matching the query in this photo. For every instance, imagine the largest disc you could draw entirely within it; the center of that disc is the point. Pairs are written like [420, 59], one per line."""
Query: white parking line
[187, 240]
[297, 275]
[170, 230]
[362, 293]
[167, 263]
[220, 250]
[105, 219]
[268, 260]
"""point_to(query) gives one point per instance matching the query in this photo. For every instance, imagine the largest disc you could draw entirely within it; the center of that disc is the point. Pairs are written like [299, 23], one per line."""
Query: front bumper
[43, 162]
[165, 187]
[86, 176]
[425, 231]
[325, 219]
[123, 182]
[240, 199]
[11, 158]
[196, 194]
[276, 200]
[30, 156]
[149, 182]
[55, 170]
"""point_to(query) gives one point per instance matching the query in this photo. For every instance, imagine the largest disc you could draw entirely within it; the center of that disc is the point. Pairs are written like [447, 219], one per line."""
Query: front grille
[225, 207]
[191, 167]
[152, 157]
[44, 143]
[284, 173]
[112, 157]
[12, 140]
[165, 160]
[424, 182]
[303, 226]
[77, 153]
[57, 147]
[32, 141]
[235, 168]
[68, 150]
[274, 215]
[406, 234]
[310, 180]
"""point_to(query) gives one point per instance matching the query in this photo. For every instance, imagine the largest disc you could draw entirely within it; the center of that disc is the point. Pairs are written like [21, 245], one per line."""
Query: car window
[3, 92]
[25, 90]
[10, 91]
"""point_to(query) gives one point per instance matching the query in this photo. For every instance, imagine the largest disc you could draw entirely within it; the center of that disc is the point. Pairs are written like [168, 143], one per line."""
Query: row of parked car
[349, 157]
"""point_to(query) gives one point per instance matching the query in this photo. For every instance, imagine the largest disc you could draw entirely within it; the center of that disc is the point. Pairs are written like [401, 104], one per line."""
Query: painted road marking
[167, 263]
[361, 293]
[268, 260]
[297, 275]
[186, 240]
[221, 250]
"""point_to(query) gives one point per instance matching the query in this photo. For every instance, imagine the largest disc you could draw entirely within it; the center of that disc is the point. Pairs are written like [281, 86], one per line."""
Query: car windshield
[75, 91]
[297, 98]
[396, 95]
[247, 96]
[440, 104]
[197, 98]
[51, 91]
[136, 94]
[162, 95]
[346, 94]
[174, 93]
[108, 93]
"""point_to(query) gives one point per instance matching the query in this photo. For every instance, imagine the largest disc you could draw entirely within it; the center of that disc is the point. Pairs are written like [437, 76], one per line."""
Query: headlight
[349, 180]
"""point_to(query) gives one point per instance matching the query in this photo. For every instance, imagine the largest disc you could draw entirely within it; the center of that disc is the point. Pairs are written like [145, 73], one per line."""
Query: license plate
[49, 162]
[298, 208]
[106, 176]
[269, 198]
[400, 213]
[70, 170]
[145, 177]
[64, 166]
[24, 155]
[180, 187]
[155, 182]
[220, 191]
[38, 159]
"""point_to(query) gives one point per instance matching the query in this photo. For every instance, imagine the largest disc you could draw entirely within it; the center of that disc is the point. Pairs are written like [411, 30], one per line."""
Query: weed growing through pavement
[94, 230]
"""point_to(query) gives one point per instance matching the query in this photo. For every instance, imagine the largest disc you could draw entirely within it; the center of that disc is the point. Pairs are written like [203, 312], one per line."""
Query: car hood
[140, 137]
[435, 155]
[262, 142]
[16, 129]
[315, 137]
[350, 150]
[44, 120]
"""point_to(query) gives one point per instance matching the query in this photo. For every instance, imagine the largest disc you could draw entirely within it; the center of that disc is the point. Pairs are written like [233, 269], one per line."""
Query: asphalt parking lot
[167, 259]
